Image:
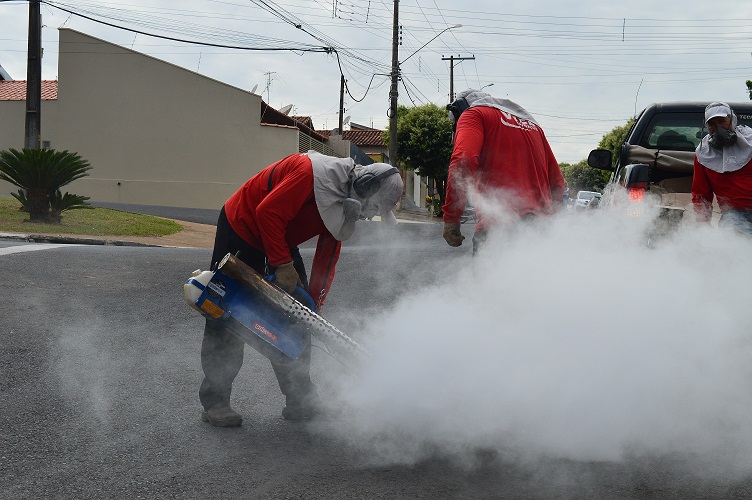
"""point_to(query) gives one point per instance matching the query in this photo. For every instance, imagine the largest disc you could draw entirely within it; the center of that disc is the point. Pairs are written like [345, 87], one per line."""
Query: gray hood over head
[732, 157]
[332, 179]
[477, 98]
[386, 197]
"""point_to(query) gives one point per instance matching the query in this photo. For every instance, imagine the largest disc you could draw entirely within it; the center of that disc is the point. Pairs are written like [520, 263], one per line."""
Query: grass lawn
[95, 222]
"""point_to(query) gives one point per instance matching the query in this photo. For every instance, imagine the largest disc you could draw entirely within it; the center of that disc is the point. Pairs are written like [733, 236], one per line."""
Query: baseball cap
[715, 109]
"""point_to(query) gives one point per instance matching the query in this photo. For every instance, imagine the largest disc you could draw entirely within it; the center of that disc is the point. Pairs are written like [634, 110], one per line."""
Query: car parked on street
[587, 199]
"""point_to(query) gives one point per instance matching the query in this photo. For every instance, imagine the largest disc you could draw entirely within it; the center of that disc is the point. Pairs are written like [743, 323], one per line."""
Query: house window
[46, 144]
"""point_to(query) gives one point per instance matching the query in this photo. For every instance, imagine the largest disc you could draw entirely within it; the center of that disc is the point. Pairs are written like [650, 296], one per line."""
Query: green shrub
[40, 173]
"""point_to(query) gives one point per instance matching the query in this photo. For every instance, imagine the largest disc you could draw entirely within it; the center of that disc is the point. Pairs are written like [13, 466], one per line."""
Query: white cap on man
[716, 109]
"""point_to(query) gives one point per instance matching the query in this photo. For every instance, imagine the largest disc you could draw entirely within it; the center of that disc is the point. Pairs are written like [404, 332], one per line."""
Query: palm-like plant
[40, 173]
[59, 203]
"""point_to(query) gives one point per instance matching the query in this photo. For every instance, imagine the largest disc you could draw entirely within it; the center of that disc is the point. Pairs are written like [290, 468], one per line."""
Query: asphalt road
[100, 372]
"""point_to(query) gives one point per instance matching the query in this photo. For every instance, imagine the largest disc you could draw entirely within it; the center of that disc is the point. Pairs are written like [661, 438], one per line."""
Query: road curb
[47, 238]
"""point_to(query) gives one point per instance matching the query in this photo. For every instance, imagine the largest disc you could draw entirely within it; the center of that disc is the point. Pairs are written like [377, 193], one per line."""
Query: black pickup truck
[656, 161]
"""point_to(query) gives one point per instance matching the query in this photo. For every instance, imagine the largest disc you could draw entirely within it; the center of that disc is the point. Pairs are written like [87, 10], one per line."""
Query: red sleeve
[555, 177]
[322, 271]
[291, 190]
[468, 142]
[702, 193]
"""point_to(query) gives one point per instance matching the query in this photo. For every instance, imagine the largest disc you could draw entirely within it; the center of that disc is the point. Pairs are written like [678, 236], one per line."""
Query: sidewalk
[193, 235]
[416, 216]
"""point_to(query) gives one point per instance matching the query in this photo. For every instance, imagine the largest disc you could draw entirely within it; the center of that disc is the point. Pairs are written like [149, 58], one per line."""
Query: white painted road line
[33, 247]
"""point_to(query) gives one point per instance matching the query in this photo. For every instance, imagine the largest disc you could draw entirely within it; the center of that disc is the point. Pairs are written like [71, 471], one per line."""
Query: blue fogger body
[273, 322]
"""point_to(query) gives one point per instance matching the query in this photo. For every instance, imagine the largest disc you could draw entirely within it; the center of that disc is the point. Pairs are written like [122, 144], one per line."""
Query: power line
[302, 48]
[278, 12]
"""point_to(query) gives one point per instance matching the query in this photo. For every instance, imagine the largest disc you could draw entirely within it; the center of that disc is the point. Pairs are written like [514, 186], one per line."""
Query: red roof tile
[305, 120]
[15, 90]
[360, 137]
[364, 137]
[271, 116]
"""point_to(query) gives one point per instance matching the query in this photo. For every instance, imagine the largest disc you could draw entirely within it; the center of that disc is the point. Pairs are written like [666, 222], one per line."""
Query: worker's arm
[322, 270]
[463, 166]
[702, 193]
[556, 180]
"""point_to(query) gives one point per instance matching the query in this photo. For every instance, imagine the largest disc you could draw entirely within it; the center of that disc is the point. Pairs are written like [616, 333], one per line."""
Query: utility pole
[393, 90]
[341, 102]
[451, 60]
[32, 133]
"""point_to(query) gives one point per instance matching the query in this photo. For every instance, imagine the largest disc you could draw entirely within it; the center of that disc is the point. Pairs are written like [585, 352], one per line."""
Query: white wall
[153, 132]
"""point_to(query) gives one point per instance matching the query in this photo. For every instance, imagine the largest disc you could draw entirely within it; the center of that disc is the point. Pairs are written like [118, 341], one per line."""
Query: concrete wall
[339, 145]
[12, 126]
[415, 190]
[153, 132]
[377, 153]
[12, 129]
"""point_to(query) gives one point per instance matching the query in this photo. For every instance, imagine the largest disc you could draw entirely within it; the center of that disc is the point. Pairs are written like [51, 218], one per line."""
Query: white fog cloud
[577, 341]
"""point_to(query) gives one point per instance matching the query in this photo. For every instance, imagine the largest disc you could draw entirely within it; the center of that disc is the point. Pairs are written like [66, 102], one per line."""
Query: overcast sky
[581, 68]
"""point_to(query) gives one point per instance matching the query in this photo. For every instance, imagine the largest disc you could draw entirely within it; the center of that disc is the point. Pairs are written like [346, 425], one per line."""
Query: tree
[40, 173]
[749, 89]
[581, 177]
[614, 139]
[424, 142]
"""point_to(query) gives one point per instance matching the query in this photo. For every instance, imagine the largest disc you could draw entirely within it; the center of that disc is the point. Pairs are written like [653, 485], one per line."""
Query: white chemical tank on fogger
[195, 286]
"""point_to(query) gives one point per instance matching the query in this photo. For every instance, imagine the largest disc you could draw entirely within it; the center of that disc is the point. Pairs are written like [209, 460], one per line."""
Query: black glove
[452, 234]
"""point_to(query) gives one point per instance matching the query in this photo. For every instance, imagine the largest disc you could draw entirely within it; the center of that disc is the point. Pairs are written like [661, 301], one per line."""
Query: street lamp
[431, 40]
[484, 86]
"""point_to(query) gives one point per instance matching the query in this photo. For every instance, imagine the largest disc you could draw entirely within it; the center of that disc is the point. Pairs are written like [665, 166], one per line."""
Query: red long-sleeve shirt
[286, 216]
[501, 153]
[733, 189]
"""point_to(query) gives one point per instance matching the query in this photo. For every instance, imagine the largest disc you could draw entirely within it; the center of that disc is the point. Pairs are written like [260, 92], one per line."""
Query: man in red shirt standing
[723, 168]
[284, 205]
[501, 155]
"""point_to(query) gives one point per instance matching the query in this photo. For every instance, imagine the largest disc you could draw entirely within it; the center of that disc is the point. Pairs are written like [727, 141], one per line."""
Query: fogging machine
[264, 316]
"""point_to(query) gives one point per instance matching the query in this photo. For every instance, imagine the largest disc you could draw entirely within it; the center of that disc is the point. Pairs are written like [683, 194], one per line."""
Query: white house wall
[13, 126]
[153, 132]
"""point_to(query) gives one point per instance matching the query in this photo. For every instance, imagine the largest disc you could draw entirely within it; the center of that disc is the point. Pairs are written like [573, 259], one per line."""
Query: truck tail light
[636, 191]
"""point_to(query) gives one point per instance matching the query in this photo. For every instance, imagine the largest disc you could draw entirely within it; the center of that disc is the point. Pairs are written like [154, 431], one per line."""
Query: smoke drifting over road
[575, 341]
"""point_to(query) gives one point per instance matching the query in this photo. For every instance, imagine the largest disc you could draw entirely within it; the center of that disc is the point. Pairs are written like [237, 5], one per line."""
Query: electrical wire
[302, 48]
[552, 51]
[266, 5]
